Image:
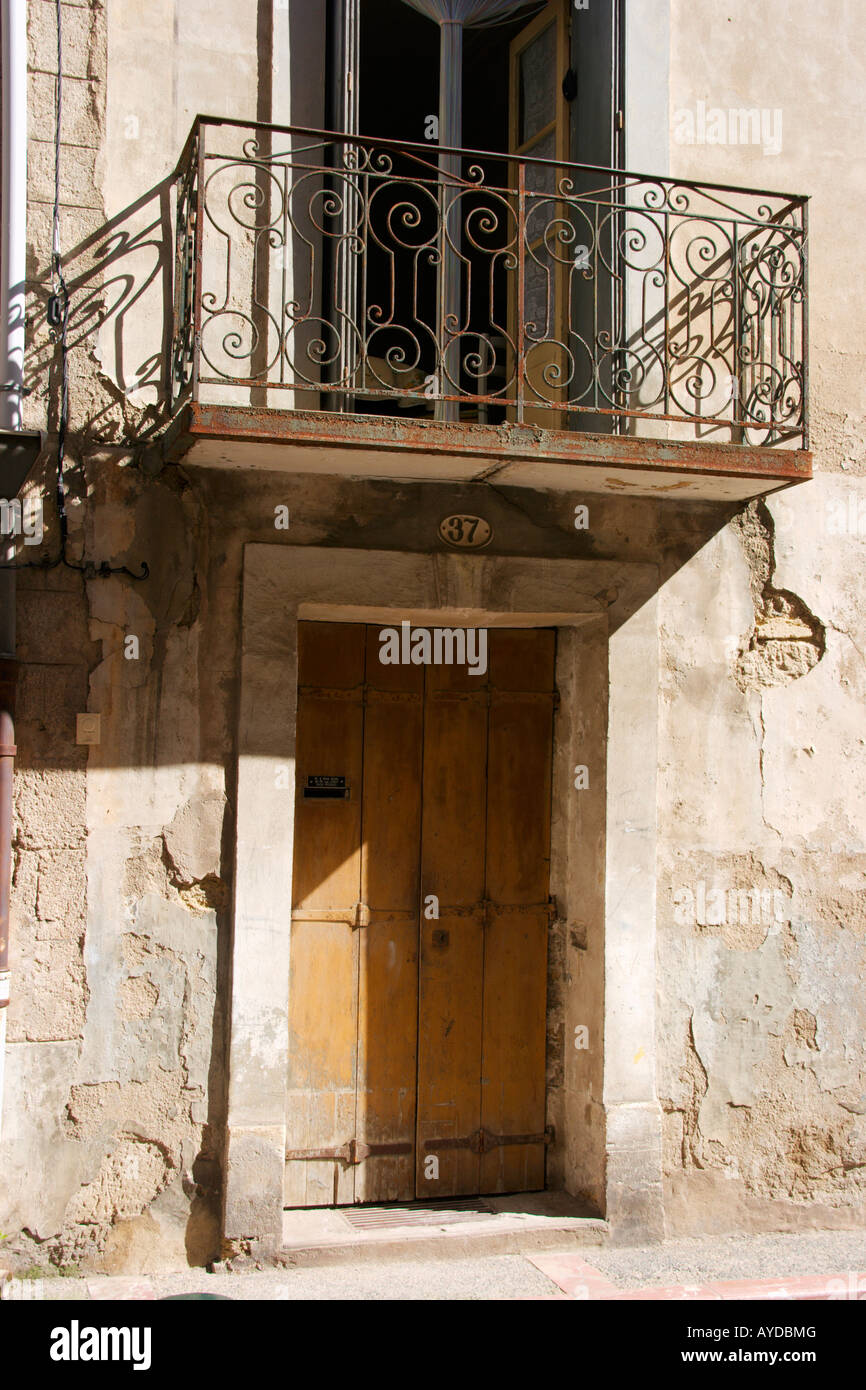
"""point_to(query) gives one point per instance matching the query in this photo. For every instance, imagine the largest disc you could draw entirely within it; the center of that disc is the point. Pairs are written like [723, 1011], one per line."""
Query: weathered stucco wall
[116, 1087]
[762, 1012]
[115, 1093]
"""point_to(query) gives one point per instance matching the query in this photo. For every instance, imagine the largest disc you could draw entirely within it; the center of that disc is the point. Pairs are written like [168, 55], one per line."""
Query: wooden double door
[420, 917]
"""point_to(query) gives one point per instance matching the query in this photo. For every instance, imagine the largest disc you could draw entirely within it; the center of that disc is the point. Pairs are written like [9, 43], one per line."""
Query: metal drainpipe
[13, 234]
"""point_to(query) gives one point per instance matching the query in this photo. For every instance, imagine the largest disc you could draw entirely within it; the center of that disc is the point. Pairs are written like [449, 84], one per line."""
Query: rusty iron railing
[318, 271]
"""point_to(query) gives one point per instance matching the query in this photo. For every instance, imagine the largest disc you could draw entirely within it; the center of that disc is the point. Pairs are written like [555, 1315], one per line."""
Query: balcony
[395, 310]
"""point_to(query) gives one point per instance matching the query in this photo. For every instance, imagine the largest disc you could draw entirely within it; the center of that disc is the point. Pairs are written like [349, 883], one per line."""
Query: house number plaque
[465, 532]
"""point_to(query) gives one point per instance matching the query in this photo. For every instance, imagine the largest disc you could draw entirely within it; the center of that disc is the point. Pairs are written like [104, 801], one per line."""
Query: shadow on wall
[118, 333]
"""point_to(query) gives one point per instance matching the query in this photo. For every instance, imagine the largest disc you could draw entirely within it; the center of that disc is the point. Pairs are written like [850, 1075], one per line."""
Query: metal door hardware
[482, 1141]
[353, 1151]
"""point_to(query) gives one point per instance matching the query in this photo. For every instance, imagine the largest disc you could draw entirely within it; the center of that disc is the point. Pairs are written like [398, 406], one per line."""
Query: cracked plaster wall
[761, 1021]
[114, 1093]
[114, 1096]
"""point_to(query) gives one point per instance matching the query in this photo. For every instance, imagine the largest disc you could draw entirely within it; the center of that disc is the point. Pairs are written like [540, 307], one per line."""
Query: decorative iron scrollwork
[348, 275]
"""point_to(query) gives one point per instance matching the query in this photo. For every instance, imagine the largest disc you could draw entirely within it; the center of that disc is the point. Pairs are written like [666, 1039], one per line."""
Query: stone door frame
[603, 1103]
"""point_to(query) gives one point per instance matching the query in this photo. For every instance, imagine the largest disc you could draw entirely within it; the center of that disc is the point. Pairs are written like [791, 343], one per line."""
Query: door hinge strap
[358, 914]
[486, 908]
[353, 1151]
[482, 1141]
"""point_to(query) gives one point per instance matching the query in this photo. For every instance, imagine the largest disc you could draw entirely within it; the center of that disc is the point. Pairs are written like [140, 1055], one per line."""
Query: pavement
[825, 1265]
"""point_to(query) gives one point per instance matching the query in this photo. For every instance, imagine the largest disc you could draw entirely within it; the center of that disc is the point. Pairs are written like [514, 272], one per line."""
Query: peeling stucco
[787, 639]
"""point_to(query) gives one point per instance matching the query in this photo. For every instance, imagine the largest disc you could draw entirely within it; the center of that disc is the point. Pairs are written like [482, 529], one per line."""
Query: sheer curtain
[453, 16]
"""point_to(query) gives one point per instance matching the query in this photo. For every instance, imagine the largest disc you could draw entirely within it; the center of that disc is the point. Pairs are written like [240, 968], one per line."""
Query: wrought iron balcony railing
[333, 272]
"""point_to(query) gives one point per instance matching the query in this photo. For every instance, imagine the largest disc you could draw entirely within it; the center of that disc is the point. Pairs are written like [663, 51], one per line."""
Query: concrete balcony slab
[373, 446]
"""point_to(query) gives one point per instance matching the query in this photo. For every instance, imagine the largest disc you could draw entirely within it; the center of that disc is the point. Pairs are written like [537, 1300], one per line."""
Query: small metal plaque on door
[326, 788]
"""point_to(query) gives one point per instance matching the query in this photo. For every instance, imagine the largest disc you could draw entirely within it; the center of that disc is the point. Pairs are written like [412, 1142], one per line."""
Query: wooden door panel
[388, 964]
[327, 858]
[455, 764]
[512, 1081]
[394, 723]
[522, 658]
[322, 1060]
[326, 869]
[449, 1052]
[520, 731]
[406, 1028]
[518, 823]
[331, 656]
[323, 993]
[452, 946]
[387, 1032]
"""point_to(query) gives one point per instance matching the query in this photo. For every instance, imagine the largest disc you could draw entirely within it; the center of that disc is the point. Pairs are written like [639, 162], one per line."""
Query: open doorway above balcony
[365, 301]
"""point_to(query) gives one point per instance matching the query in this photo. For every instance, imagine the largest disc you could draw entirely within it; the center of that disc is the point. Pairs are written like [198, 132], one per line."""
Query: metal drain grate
[416, 1214]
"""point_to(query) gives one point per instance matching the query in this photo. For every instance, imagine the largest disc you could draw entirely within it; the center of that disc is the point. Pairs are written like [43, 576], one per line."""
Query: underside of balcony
[374, 446]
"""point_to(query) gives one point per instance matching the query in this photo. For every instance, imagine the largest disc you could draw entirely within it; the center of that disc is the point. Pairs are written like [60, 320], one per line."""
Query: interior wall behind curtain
[596, 57]
[343, 42]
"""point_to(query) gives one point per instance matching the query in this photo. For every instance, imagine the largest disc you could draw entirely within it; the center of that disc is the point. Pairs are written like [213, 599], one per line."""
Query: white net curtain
[453, 16]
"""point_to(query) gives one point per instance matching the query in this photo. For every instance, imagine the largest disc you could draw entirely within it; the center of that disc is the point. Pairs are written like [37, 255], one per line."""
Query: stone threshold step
[328, 1235]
